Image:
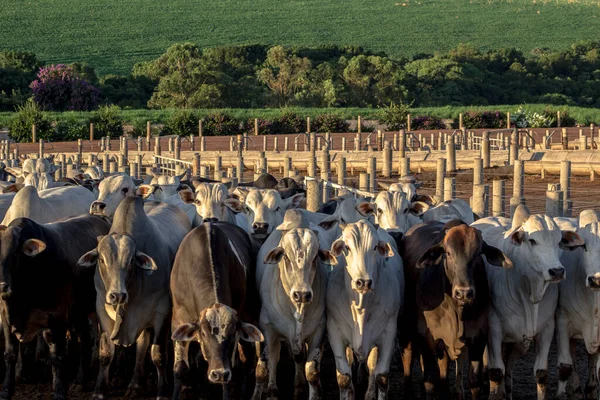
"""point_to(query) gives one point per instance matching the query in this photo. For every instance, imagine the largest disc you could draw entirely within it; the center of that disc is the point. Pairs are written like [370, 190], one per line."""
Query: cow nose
[97, 207]
[364, 285]
[464, 294]
[115, 298]
[220, 375]
[212, 219]
[594, 282]
[260, 227]
[557, 274]
[302, 297]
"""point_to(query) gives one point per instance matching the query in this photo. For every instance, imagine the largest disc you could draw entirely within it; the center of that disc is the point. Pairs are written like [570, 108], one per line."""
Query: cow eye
[342, 221]
[532, 242]
[125, 190]
[247, 209]
[379, 211]
[197, 202]
[278, 208]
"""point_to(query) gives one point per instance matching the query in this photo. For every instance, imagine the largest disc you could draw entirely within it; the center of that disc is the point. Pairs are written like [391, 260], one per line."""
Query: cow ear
[53, 169]
[181, 176]
[187, 196]
[250, 333]
[183, 186]
[274, 256]
[518, 237]
[13, 188]
[326, 257]
[234, 205]
[366, 209]
[570, 241]
[384, 249]
[418, 208]
[33, 247]
[433, 256]
[144, 261]
[144, 191]
[327, 224]
[294, 201]
[89, 259]
[423, 198]
[494, 256]
[338, 248]
[185, 332]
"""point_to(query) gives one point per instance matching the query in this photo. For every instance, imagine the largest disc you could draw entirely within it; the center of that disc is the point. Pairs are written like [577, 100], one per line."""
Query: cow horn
[385, 186]
[587, 217]
[521, 215]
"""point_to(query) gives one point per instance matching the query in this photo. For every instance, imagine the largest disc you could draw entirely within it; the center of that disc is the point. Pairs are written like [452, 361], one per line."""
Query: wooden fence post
[514, 148]
[41, 151]
[91, 131]
[440, 175]
[157, 150]
[565, 139]
[498, 198]
[313, 195]
[451, 154]
[372, 171]
[480, 200]
[518, 186]
[363, 181]
[387, 160]
[341, 170]
[404, 169]
[33, 133]
[565, 185]
[477, 171]
[449, 188]
[554, 206]
[486, 149]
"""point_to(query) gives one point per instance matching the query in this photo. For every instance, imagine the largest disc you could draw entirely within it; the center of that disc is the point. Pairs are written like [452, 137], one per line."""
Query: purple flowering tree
[59, 88]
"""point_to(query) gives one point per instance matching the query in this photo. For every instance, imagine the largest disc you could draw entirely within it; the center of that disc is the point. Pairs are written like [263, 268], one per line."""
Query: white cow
[49, 205]
[167, 185]
[291, 277]
[450, 209]
[211, 202]
[523, 298]
[392, 211]
[6, 200]
[112, 190]
[364, 296]
[578, 311]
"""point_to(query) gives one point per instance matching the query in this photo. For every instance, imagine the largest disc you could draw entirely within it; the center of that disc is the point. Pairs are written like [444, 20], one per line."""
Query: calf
[524, 298]
[133, 267]
[208, 287]
[447, 301]
[364, 296]
[42, 291]
[291, 277]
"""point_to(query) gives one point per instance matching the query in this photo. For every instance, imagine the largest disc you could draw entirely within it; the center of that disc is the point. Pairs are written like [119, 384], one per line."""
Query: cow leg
[540, 368]
[299, 377]
[476, 356]
[181, 367]
[443, 383]
[495, 362]
[313, 363]
[407, 356]
[158, 355]
[141, 348]
[106, 354]
[564, 360]
[266, 368]
[56, 339]
[342, 367]
[273, 351]
[460, 368]
[429, 366]
[10, 359]
[384, 359]
[513, 355]
[591, 387]
[82, 331]
[371, 393]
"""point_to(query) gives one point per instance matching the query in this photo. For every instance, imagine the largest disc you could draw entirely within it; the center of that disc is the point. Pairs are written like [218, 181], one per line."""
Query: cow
[579, 304]
[49, 205]
[168, 186]
[264, 181]
[208, 287]
[364, 296]
[6, 200]
[43, 291]
[524, 298]
[112, 190]
[291, 277]
[449, 210]
[447, 301]
[212, 202]
[392, 211]
[133, 264]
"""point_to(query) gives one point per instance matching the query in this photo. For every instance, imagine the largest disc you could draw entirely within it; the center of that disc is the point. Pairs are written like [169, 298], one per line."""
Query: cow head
[169, 185]
[264, 210]
[538, 241]
[39, 180]
[211, 200]
[118, 261]
[112, 190]
[218, 330]
[460, 252]
[589, 230]
[361, 247]
[297, 255]
[392, 211]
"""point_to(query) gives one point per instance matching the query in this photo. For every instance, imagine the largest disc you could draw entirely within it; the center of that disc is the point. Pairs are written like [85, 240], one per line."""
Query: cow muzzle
[260, 228]
[115, 298]
[556, 274]
[302, 297]
[5, 290]
[212, 219]
[463, 294]
[362, 286]
[220, 375]
[593, 282]
[98, 208]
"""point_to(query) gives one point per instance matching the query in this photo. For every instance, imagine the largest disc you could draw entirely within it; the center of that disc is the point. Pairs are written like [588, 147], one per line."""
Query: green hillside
[114, 34]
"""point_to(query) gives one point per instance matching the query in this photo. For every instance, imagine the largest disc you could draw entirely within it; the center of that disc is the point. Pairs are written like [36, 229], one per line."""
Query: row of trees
[186, 76]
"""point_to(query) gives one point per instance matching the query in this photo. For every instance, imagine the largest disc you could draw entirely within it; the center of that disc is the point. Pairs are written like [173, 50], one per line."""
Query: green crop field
[114, 34]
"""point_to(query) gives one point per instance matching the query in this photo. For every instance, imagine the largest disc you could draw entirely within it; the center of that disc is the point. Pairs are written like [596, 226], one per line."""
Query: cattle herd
[100, 262]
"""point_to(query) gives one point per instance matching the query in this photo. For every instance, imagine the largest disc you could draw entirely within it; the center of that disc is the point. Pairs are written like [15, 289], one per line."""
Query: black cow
[43, 290]
[209, 284]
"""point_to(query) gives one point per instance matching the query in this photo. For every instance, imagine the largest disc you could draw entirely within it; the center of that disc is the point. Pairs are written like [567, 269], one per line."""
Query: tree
[17, 70]
[371, 80]
[60, 88]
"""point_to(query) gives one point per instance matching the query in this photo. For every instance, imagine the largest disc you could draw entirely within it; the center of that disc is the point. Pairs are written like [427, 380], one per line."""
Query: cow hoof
[97, 396]
[133, 391]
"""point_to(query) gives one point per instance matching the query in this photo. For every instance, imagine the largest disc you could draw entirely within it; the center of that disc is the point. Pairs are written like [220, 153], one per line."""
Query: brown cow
[447, 301]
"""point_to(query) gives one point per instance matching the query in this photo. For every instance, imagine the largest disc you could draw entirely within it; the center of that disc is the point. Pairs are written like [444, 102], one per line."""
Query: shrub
[108, 121]
[27, 115]
[395, 116]
[330, 123]
[288, 122]
[181, 123]
[219, 124]
[68, 130]
[59, 88]
[482, 119]
[427, 122]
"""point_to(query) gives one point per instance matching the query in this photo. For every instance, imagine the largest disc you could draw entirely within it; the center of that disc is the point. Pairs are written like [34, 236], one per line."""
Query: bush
[108, 121]
[219, 124]
[69, 130]
[26, 116]
[427, 122]
[330, 123]
[182, 123]
[59, 88]
[395, 116]
[286, 123]
[482, 119]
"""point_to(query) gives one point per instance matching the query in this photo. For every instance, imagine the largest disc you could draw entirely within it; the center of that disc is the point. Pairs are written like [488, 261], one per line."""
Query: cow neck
[586, 303]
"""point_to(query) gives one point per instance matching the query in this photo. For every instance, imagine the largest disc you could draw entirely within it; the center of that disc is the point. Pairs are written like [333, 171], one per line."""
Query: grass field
[582, 115]
[114, 34]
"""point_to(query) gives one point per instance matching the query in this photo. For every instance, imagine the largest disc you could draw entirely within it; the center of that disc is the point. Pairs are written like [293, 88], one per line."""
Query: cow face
[117, 260]
[112, 190]
[460, 252]
[392, 211]
[264, 210]
[539, 241]
[218, 331]
[360, 246]
[168, 185]
[210, 199]
[589, 256]
[39, 180]
[297, 255]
